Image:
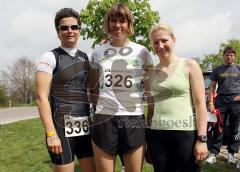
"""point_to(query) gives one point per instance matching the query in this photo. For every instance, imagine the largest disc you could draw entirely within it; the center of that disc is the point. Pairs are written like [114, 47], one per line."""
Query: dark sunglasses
[65, 27]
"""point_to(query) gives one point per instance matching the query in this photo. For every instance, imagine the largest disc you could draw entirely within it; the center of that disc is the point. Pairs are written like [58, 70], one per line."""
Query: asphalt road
[14, 114]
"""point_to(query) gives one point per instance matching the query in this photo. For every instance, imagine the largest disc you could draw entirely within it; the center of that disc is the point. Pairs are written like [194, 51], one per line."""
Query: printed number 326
[120, 81]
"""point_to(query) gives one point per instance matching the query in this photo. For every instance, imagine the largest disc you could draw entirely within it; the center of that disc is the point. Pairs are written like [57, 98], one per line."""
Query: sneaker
[231, 158]
[211, 159]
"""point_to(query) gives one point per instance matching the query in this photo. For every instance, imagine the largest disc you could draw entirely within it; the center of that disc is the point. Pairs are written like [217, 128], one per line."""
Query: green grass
[22, 149]
[220, 166]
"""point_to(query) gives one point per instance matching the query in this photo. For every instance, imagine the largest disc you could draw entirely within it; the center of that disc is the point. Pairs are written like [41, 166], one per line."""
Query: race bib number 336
[76, 126]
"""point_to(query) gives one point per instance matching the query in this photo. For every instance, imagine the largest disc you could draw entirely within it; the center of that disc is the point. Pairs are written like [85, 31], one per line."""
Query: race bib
[117, 79]
[76, 126]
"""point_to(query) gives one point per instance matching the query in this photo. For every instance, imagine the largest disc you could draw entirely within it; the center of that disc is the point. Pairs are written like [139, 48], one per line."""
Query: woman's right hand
[147, 156]
[54, 144]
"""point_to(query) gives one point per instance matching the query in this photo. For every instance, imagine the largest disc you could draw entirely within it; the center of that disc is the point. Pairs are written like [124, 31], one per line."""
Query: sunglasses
[65, 27]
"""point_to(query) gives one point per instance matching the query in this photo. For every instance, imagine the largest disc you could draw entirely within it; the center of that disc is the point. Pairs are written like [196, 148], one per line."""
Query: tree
[3, 96]
[212, 60]
[93, 19]
[217, 59]
[19, 80]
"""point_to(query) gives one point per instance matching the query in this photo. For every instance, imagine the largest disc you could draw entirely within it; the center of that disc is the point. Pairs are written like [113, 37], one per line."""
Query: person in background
[62, 97]
[227, 77]
[177, 137]
[118, 124]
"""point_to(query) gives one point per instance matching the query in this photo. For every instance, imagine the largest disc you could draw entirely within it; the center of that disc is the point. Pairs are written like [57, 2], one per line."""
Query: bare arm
[43, 81]
[93, 95]
[198, 94]
[149, 98]
[212, 89]
[92, 83]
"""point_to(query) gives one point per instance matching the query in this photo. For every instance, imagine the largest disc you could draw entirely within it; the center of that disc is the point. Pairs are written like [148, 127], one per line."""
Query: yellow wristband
[51, 133]
[210, 103]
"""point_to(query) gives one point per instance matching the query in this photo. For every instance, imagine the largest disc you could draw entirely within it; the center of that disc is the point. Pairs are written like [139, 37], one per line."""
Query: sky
[27, 26]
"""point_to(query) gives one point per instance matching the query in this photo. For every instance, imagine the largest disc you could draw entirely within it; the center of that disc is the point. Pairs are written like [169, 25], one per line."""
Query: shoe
[231, 158]
[211, 159]
[123, 169]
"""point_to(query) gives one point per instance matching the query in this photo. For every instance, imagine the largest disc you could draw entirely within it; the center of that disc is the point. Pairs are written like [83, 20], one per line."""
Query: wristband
[210, 103]
[51, 133]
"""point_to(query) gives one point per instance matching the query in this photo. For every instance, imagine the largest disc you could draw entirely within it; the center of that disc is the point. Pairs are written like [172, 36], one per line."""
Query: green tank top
[172, 101]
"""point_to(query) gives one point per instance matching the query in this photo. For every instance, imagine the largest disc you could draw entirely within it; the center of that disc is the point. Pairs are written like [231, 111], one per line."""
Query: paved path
[14, 114]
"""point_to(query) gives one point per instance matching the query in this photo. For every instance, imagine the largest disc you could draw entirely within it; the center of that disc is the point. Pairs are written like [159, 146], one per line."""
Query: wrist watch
[202, 138]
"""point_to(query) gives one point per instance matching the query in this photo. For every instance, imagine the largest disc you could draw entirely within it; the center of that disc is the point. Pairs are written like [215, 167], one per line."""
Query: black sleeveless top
[68, 93]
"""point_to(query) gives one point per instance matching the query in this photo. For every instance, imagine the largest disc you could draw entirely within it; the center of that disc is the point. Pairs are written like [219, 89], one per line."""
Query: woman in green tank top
[177, 137]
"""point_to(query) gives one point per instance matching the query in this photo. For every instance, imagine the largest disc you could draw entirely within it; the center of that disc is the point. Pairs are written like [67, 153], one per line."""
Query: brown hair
[229, 49]
[119, 10]
[65, 13]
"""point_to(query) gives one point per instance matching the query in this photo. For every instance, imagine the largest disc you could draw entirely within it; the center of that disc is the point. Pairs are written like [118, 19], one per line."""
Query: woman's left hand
[200, 151]
[147, 156]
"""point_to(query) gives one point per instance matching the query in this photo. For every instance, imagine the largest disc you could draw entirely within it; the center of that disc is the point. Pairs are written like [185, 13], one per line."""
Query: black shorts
[80, 146]
[118, 134]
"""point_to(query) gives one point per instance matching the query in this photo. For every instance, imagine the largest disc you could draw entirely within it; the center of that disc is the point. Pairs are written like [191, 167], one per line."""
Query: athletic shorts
[118, 134]
[80, 146]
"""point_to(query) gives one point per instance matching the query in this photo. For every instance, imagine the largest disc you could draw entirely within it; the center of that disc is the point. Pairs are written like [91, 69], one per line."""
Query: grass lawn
[22, 149]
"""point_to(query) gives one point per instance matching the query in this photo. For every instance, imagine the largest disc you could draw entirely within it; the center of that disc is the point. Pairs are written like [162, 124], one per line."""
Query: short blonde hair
[164, 27]
[119, 10]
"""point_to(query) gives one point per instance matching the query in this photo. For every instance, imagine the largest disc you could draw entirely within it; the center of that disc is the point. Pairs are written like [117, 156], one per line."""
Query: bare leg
[87, 164]
[64, 168]
[103, 161]
[133, 160]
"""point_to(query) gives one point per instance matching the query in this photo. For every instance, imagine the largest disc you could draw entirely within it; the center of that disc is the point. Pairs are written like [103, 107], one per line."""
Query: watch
[202, 138]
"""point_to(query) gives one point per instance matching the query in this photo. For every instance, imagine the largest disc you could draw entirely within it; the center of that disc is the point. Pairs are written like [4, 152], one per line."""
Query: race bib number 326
[76, 126]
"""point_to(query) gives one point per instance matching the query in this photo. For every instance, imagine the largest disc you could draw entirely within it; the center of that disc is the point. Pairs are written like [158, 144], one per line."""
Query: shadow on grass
[47, 162]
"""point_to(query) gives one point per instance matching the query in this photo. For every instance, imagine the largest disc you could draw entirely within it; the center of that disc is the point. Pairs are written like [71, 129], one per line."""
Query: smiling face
[162, 43]
[119, 22]
[70, 36]
[118, 27]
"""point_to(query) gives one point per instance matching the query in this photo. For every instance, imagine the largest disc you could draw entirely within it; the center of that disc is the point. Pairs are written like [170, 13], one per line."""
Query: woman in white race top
[119, 122]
